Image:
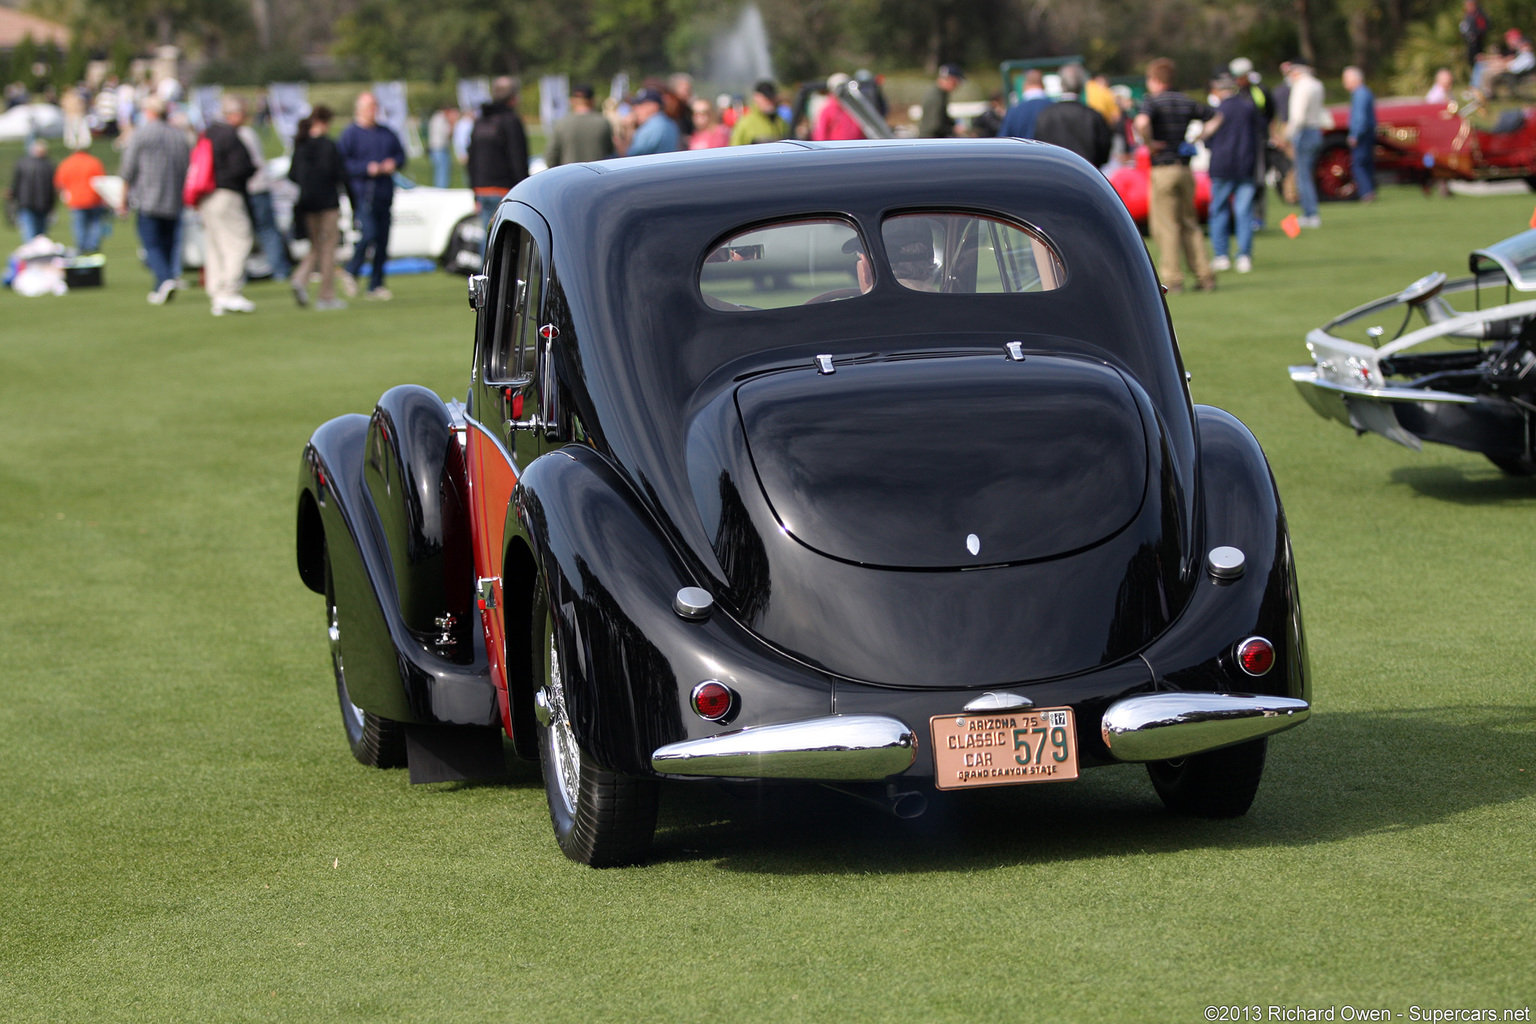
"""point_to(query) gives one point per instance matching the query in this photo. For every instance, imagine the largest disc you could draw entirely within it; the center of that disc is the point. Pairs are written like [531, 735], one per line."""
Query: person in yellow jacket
[762, 122]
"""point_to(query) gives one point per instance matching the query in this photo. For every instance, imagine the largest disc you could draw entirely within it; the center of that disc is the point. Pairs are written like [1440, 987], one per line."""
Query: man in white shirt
[1305, 119]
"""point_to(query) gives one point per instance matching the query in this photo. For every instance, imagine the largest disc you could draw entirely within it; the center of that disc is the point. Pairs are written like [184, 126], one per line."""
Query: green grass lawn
[186, 838]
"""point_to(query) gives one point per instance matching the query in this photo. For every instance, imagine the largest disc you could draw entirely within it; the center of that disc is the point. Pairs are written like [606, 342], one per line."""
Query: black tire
[601, 818]
[376, 742]
[1219, 784]
[1521, 465]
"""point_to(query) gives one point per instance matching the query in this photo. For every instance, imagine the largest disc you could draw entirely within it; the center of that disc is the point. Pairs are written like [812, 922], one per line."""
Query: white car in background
[27, 120]
[425, 224]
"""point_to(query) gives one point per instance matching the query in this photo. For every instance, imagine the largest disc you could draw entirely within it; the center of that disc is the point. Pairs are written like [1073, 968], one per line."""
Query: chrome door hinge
[485, 592]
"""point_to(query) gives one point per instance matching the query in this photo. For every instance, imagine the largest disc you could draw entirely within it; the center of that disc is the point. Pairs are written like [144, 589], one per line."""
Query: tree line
[252, 41]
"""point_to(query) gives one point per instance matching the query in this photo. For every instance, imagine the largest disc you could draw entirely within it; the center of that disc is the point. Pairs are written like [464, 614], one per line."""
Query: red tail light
[1256, 656]
[713, 700]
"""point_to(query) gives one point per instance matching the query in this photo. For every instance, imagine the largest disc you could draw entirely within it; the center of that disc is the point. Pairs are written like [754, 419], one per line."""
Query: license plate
[1004, 749]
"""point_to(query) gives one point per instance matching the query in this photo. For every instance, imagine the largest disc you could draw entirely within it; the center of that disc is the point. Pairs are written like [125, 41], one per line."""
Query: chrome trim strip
[1304, 374]
[839, 747]
[1165, 726]
[494, 440]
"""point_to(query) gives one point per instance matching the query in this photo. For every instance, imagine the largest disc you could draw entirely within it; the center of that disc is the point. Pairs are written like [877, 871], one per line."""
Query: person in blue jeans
[1305, 117]
[1233, 137]
[1362, 133]
[371, 154]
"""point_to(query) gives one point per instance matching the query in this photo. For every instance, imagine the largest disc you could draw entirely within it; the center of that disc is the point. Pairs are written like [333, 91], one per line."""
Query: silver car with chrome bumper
[1448, 375]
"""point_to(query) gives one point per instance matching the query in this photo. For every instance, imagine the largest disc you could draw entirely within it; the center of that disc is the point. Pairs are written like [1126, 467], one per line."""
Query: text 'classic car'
[865, 464]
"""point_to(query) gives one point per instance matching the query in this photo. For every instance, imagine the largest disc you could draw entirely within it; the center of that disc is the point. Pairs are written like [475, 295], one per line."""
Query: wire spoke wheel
[600, 818]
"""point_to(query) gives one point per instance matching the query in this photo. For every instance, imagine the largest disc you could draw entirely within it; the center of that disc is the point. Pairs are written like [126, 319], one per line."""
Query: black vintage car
[865, 464]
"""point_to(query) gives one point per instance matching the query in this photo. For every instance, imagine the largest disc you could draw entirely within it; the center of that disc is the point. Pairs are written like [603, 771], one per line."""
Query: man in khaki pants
[226, 224]
[1165, 116]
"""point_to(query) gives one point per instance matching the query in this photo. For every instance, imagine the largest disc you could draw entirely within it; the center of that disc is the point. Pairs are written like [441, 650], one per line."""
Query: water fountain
[738, 57]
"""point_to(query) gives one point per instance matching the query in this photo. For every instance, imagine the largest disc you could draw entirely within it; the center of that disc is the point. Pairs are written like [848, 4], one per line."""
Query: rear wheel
[1218, 784]
[1520, 465]
[375, 741]
[601, 818]
[1334, 174]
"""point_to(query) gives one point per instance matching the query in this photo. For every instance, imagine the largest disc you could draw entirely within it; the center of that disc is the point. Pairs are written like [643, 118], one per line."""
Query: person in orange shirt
[88, 214]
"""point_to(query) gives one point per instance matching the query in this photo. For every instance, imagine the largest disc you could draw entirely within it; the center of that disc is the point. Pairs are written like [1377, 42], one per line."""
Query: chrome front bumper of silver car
[839, 747]
[1166, 726]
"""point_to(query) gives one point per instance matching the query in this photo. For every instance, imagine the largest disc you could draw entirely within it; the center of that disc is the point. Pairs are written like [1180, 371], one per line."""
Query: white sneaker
[157, 297]
[1244, 264]
[234, 304]
[1220, 264]
[1310, 222]
[329, 304]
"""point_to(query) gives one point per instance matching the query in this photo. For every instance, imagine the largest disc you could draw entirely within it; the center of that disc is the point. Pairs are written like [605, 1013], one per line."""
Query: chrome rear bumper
[1164, 726]
[839, 747]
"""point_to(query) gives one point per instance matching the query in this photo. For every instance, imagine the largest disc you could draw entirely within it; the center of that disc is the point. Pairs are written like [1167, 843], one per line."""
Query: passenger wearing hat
[656, 133]
[581, 136]
[909, 247]
[936, 122]
[761, 122]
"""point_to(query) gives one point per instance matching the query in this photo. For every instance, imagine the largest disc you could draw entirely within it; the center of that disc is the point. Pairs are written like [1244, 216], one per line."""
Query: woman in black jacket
[318, 171]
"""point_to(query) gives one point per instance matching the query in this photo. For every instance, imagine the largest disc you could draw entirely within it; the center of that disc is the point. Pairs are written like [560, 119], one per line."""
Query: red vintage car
[1133, 183]
[1424, 141]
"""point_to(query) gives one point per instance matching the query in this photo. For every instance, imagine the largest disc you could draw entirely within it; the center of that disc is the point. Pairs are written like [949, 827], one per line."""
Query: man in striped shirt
[1163, 122]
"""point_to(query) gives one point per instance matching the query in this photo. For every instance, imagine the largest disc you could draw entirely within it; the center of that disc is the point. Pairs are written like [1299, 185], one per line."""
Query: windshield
[1515, 256]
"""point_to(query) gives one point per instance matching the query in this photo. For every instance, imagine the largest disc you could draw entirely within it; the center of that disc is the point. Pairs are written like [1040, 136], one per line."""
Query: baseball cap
[648, 96]
[953, 71]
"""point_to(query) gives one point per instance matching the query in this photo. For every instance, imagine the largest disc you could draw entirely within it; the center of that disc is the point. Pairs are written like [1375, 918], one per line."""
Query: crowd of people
[1252, 134]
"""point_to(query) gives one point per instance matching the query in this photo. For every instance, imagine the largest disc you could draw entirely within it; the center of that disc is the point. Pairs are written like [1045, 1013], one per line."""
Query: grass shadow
[1340, 776]
[1466, 485]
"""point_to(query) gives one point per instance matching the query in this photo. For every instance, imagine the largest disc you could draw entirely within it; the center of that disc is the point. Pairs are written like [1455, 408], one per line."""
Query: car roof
[644, 352]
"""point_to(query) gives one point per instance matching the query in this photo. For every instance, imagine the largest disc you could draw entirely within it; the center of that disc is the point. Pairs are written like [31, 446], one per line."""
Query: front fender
[630, 662]
[1240, 507]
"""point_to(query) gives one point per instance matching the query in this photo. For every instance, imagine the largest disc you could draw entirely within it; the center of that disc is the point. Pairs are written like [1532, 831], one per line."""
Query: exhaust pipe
[904, 804]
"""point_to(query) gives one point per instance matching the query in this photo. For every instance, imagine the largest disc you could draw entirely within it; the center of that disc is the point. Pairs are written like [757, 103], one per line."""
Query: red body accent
[491, 479]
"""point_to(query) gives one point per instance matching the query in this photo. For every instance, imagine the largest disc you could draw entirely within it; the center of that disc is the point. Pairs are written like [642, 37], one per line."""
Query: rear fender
[1240, 507]
[629, 661]
[392, 566]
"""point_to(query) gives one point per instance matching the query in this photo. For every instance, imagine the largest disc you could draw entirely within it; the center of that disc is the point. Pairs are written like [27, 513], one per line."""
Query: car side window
[515, 301]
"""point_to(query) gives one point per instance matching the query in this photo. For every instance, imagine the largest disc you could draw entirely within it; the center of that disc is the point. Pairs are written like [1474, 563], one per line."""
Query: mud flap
[454, 753]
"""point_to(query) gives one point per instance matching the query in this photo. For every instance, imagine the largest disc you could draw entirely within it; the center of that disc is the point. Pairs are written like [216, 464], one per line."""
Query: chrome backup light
[693, 603]
[1255, 655]
[1225, 563]
[713, 701]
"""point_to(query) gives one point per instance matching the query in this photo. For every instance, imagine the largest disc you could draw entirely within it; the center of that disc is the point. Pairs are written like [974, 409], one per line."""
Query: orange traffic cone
[1292, 226]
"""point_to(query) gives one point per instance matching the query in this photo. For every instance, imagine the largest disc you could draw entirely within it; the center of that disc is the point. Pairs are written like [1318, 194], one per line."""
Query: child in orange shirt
[88, 214]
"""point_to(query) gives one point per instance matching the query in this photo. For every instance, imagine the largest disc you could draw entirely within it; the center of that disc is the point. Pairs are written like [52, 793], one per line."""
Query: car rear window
[786, 264]
[969, 254]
